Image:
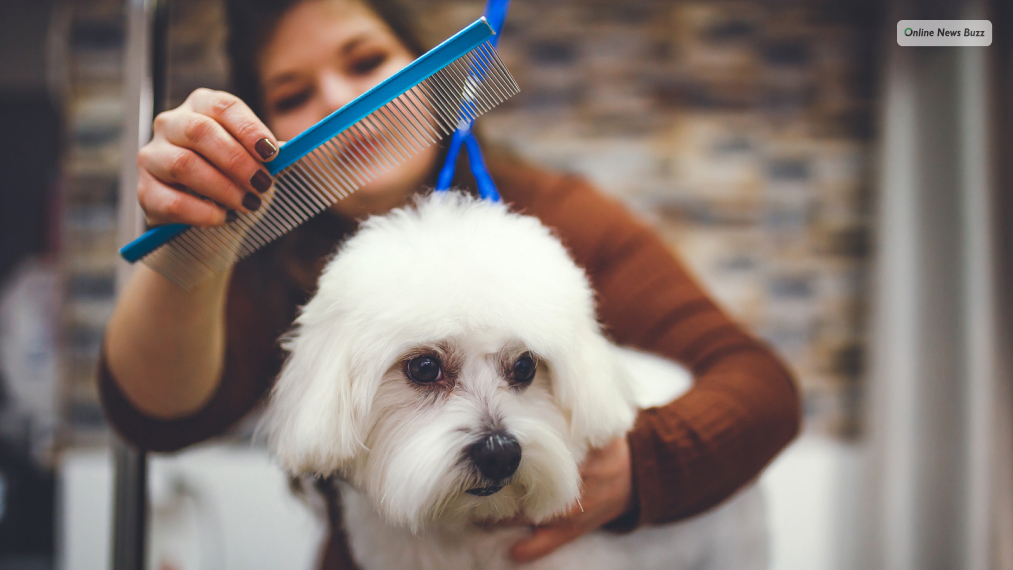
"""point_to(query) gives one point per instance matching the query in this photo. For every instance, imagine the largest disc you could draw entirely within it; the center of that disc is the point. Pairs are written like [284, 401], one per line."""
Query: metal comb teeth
[334, 164]
[420, 116]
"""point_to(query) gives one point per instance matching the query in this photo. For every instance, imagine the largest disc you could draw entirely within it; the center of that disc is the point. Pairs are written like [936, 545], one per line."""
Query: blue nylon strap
[486, 187]
[495, 13]
[446, 177]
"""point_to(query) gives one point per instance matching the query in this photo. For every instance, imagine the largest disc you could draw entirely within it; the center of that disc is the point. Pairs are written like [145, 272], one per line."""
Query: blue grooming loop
[495, 13]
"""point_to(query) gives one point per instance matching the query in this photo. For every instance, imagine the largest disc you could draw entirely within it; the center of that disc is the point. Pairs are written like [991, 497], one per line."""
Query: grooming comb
[431, 97]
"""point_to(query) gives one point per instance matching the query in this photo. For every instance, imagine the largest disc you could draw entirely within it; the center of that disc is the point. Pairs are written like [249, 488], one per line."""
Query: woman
[180, 367]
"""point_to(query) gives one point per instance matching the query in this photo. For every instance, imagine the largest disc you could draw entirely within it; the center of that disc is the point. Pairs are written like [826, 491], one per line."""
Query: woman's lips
[361, 147]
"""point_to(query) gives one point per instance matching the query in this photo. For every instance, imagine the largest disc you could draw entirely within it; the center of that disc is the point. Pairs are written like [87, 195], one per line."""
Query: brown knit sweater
[687, 456]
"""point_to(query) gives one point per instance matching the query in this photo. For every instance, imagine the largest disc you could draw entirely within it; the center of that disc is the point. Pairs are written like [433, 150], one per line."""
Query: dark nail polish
[231, 216]
[261, 181]
[251, 202]
[265, 148]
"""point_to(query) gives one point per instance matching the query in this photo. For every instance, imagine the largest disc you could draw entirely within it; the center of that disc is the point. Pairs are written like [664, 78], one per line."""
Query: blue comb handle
[150, 240]
[362, 106]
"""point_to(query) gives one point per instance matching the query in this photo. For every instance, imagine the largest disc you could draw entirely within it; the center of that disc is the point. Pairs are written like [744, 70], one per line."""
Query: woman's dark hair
[251, 23]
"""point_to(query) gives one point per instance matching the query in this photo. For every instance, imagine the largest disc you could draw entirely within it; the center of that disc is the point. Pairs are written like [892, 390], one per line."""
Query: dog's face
[449, 367]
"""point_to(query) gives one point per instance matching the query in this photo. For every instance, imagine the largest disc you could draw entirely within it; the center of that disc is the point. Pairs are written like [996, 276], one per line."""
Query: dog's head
[450, 366]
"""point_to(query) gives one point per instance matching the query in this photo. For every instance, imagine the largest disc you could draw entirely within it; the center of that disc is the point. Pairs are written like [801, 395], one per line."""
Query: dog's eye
[423, 369]
[524, 369]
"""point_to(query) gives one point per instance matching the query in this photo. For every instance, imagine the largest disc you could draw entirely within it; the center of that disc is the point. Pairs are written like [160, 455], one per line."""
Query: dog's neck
[442, 544]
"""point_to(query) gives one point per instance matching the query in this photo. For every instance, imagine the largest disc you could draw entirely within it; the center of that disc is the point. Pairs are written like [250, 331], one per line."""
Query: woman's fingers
[208, 138]
[238, 119]
[607, 494]
[164, 204]
[177, 166]
[213, 146]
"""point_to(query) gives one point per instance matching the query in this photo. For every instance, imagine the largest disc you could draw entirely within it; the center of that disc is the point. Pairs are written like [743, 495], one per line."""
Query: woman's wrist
[628, 520]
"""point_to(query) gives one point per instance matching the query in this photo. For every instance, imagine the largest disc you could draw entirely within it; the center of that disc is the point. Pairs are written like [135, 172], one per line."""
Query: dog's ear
[589, 386]
[316, 416]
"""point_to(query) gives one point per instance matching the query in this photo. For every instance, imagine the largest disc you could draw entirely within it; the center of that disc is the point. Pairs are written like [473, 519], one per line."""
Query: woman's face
[323, 54]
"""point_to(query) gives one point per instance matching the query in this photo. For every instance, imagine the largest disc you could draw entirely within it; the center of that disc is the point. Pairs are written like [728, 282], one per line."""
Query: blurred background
[847, 199]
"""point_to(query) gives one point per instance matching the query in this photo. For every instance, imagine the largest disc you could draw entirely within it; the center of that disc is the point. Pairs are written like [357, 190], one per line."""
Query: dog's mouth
[485, 491]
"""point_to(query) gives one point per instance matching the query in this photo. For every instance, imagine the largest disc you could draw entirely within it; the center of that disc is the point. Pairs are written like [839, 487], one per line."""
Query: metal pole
[144, 94]
[130, 516]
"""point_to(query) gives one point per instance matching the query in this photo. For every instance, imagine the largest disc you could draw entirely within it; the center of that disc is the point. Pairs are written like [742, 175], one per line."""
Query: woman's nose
[336, 91]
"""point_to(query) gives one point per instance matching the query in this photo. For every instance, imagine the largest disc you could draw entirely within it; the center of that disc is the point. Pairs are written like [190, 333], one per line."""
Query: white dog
[450, 370]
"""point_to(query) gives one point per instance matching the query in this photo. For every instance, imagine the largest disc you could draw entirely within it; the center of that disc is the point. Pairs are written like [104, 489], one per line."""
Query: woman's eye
[524, 369]
[365, 65]
[423, 369]
[291, 102]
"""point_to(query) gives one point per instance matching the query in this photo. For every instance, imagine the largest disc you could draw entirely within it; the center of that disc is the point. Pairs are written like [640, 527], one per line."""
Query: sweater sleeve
[743, 408]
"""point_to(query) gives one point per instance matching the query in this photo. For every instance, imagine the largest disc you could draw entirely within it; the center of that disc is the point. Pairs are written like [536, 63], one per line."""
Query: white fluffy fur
[479, 284]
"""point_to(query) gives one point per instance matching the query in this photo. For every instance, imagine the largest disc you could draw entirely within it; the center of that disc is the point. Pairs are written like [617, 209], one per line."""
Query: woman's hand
[608, 494]
[211, 146]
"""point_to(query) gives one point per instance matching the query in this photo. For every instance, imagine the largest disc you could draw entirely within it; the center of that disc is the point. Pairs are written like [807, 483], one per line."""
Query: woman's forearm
[165, 346]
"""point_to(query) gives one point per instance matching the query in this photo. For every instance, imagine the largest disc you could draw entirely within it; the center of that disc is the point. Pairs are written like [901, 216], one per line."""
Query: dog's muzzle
[496, 456]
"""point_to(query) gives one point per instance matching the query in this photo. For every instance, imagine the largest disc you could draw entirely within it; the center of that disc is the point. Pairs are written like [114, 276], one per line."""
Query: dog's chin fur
[479, 283]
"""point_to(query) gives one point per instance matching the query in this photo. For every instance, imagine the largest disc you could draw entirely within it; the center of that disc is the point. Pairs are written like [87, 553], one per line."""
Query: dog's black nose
[496, 455]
